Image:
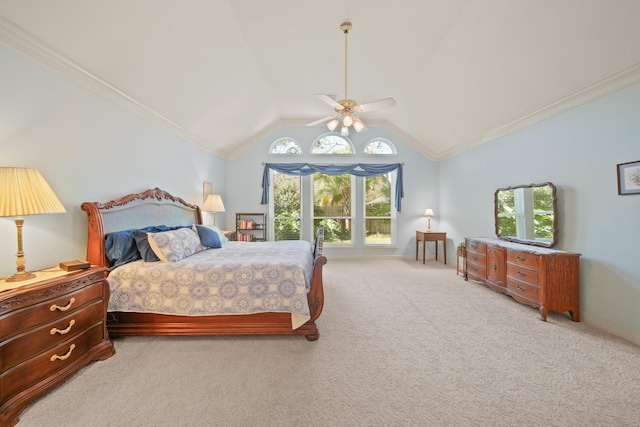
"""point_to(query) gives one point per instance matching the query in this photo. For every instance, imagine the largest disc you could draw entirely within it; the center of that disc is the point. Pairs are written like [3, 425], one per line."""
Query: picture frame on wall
[628, 178]
[207, 188]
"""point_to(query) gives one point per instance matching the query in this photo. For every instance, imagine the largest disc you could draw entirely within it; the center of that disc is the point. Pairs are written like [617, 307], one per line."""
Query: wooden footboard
[114, 216]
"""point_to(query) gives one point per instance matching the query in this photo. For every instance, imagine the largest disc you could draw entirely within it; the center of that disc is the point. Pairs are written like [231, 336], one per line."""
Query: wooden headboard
[152, 207]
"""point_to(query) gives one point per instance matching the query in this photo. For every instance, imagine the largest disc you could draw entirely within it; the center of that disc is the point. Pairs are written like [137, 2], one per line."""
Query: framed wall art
[207, 188]
[628, 178]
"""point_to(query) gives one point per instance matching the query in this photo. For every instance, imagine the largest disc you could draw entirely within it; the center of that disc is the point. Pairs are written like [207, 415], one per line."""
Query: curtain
[357, 169]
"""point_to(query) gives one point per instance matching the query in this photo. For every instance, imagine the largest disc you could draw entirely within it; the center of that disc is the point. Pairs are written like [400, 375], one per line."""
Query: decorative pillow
[142, 242]
[208, 237]
[174, 245]
[120, 248]
[221, 236]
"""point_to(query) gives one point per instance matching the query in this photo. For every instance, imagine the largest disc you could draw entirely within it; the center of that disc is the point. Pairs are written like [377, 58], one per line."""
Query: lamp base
[18, 277]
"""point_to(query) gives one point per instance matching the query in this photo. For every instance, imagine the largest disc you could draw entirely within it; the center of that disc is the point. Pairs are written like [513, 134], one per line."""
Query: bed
[260, 288]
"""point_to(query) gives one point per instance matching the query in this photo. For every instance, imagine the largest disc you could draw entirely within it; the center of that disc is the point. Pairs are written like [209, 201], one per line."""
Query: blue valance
[358, 169]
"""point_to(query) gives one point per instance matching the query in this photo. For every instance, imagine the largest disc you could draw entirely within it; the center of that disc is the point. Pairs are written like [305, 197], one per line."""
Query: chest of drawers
[49, 329]
[544, 278]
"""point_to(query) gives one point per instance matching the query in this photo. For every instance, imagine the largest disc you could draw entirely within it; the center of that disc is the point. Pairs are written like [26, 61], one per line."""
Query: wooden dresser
[50, 327]
[544, 278]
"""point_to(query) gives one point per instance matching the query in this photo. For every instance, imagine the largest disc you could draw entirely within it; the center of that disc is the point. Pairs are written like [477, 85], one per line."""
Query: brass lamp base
[18, 277]
[21, 274]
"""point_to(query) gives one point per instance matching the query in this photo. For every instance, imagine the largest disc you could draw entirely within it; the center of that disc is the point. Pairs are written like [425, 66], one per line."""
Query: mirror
[527, 214]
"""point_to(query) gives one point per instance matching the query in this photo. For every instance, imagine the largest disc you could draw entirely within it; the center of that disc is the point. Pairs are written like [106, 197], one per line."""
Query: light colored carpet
[401, 344]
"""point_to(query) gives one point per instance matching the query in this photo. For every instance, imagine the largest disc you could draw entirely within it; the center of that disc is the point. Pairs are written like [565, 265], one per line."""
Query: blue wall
[578, 151]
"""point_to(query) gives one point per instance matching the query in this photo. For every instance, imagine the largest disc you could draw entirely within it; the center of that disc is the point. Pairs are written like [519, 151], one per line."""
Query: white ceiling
[224, 73]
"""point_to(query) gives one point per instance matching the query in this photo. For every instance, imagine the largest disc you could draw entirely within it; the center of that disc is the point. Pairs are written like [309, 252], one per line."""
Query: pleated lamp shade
[25, 192]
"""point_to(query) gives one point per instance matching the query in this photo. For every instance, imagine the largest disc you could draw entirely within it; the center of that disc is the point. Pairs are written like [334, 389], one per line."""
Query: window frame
[393, 217]
[352, 218]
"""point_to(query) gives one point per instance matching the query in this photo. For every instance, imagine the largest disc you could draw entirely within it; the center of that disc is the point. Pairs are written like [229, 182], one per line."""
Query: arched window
[332, 143]
[285, 146]
[379, 146]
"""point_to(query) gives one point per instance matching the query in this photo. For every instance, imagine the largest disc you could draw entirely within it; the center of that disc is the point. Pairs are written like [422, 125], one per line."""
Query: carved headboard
[152, 207]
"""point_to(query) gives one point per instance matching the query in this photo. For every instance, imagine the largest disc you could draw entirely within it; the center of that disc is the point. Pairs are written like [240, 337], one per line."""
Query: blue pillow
[142, 242]
[208, 237]
[121, 246]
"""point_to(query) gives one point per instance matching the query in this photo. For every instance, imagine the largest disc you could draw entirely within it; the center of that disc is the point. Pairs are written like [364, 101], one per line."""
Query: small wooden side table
[431, 236]
[461, 253]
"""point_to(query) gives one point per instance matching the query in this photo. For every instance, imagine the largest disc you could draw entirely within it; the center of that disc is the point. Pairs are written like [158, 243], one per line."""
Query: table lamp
[429, 213]
[213, 204]
[25, 192]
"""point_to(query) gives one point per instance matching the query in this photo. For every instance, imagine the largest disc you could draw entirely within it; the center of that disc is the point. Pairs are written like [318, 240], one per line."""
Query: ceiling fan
[346, 108]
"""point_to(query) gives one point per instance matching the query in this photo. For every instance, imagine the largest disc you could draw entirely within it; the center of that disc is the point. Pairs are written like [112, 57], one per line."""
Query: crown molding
[26, 43]
[21, 40]
[599, 88]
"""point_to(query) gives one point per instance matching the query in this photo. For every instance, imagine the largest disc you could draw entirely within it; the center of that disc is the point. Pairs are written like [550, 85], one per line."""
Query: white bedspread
[240, 278]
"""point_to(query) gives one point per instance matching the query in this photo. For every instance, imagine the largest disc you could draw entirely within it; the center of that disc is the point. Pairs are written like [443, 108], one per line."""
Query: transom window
[332, 143]
[285, 146]
[379, 146]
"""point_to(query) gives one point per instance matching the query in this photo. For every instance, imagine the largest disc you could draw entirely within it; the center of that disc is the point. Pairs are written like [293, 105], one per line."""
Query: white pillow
[174, 245]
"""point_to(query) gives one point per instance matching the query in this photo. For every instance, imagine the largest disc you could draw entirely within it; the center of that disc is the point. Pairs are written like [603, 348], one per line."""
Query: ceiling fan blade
[376, 105]
[329, 100]
[322, 120]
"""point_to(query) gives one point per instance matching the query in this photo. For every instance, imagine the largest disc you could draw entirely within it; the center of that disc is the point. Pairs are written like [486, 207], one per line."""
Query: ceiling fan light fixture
[358, 125]
[345, 108]
[333, 124]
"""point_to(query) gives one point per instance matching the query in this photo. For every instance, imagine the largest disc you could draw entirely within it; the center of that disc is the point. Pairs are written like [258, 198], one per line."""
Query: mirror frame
[554, 240]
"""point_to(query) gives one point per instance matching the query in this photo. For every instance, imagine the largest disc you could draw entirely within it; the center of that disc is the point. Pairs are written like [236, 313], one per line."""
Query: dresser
[50, 327]
[544, 278]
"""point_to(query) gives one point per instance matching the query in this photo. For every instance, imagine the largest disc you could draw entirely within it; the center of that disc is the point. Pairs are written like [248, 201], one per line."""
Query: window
[379, 146]
[378, 210]
[286, 206]
[332, 144]
[332, 207]
[285, 146]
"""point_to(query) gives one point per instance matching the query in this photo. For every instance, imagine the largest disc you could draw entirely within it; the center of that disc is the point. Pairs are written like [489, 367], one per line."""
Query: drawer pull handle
[65, 308]
[64, 356]
[521, 258]
[63, 331]
[521, 288]
[521, 273]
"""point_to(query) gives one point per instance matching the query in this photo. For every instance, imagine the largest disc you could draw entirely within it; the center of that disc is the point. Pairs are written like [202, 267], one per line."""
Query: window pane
[286, 229]
[378, 197]
[378, 231]
[379, 146]
[332, 206]
[377, 210]
[285, 146]
[331, 144]
[286, 206]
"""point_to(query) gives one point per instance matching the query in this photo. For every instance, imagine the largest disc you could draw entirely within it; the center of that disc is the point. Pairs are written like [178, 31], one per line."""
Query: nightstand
[50, 327]
[431, 236]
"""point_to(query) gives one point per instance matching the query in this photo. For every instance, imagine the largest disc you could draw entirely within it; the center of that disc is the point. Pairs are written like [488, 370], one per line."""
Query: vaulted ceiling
[225, 73]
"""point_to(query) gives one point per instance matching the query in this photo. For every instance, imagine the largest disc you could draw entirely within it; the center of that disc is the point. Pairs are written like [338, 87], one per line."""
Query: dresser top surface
[520, 247]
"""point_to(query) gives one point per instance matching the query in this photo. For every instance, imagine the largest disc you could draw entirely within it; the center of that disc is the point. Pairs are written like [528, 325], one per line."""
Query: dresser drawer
[476, 247]
[51, 310]
[524, 258]
[525, 289]
[30, 343]
[523, 274]
[476, 258]
[476, 270]
[33, 370]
